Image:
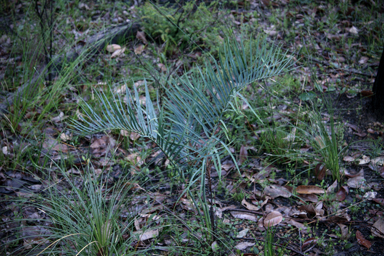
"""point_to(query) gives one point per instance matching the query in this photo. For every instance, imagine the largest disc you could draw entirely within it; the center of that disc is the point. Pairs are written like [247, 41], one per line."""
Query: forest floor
[304, 170]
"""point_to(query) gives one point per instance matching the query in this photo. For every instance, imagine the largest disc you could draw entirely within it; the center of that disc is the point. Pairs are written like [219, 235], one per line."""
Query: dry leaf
[242, 233]
[291, 136]
[345, 234]
[102, 145]
[272, 219]
[348, 159]
[271, 31]
[319, 209]
[309, 242]
[194, 55]
[367, 93]
[357, 182]
[370, 195]
[320, 171]
[147, 234]
[362, 241]
[364, 160]
[118, 53]
[378, 228]
[134, 136]
[124, 133]
[243, 154]
[363, 60]
[302, 189]
[135, 158]
[309, 198]
[121, 89]
[162, 67]
[351, 175]
[244, 215]
[141, 36]
[249, 206]
[331, 188]
[65, 137]
[274, 191]
[342, 193]
[266, 2]
[378, 160]
[244, 245]
[304, 229]
[59, 118]
[354, 30]
[113, 47]
[379, 201]
[139, 49]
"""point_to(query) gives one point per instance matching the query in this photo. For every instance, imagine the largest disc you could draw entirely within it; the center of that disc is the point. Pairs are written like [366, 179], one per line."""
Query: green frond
[185, 127]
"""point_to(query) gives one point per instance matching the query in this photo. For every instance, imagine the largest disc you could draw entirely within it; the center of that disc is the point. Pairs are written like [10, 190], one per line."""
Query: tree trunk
[378, 88]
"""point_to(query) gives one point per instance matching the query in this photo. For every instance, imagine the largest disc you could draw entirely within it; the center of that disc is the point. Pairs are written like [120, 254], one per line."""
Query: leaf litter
[262, 205]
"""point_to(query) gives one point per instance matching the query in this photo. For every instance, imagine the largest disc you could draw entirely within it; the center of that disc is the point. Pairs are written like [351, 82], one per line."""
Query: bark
[378, 88]
[95, 43]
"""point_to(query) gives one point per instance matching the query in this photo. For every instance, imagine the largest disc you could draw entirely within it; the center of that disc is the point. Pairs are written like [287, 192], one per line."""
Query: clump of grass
[84, 219]
[269, 248]
[325, 141]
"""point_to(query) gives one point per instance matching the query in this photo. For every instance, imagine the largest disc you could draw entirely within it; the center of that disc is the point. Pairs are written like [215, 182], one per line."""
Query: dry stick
[212, 215]
[106, 36]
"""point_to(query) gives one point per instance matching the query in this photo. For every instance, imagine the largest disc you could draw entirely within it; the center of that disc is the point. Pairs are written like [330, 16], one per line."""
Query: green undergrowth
[281, 121]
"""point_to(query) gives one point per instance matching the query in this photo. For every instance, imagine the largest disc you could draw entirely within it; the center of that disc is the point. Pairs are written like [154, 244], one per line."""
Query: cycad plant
[186, 128]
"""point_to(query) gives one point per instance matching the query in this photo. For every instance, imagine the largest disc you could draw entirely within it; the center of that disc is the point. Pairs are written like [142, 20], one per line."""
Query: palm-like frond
[185, 127]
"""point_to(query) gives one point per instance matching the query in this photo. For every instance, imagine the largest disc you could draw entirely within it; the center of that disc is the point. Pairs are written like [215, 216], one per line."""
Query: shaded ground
[340, 44]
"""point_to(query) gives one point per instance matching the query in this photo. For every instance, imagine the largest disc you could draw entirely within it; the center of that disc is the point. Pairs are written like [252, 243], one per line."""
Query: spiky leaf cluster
[186, 126]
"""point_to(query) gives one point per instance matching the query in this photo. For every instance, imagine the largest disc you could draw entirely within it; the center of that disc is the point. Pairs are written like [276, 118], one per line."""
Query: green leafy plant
[187, 127]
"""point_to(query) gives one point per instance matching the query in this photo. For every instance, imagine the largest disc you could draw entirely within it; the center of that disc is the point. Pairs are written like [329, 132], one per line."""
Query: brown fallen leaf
[308, 242]
[364, 160]
[348, 159]
[266, 2]
[379, 201]
[243, 154]
[310, 189]
[366, 93]
[134, 136]
[303, 228]
[148, 234]
[274, 191]
[113, 47]
[357, 182]
[162, 67]
[378, 228]
[362, 241]
[141, 36]
[342, 193]
[309, 198]
[244, 245]
[249, 206]
[348, 174]
[139, 49]
[345, 234]
[272, 219]
[320, 171]
[307, 208]
[244, 215]
[118, 53]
